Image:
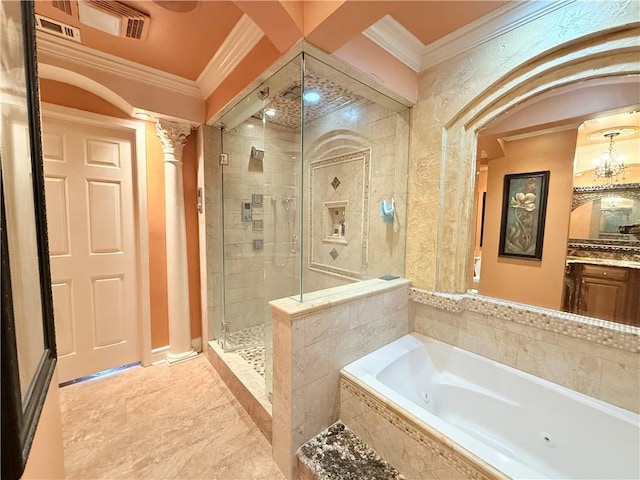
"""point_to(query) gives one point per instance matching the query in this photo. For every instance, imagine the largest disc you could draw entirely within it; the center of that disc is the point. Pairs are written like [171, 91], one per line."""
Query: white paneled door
[92, 246]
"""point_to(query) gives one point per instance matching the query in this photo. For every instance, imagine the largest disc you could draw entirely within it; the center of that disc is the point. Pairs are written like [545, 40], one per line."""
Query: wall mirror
[591, 255]
[607, 215]
[28, 340]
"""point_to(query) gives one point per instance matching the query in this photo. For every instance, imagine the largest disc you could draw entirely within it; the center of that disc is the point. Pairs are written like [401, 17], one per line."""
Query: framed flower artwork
[524, 206]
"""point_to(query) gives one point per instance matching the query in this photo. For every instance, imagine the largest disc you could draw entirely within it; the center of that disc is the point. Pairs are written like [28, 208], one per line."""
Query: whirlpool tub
[492, 420]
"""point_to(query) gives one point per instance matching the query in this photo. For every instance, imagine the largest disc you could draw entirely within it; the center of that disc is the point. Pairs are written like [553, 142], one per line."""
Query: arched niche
[612, 53]
[83, 82]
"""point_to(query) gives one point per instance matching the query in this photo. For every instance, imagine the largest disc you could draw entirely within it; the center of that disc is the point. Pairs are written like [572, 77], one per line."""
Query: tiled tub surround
[428, 407]
[594, 357]
[313, 340]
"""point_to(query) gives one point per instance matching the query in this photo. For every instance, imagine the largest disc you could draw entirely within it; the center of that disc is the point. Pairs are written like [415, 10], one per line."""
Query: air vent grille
[135, 28]
[292, 93]
[57, 28]
[134, 24]
[63, 5]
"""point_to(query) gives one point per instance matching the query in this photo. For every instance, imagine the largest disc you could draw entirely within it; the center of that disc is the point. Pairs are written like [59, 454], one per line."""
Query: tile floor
[254, 356]
[249, 344]
[178, 422]
[246, 337]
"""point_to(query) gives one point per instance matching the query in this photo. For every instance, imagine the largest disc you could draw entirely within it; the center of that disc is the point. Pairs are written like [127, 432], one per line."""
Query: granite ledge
[339, 454]
[603, 262]
[331, 297]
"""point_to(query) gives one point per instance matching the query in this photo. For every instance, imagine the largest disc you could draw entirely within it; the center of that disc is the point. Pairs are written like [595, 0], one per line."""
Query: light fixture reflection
[311, 96]
[609, 167]
[270, 112]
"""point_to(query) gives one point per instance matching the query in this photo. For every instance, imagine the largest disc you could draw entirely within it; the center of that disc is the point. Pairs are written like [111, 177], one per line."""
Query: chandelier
[608, 168]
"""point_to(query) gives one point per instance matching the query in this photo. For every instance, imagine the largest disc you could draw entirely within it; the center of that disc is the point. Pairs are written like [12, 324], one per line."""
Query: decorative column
[173, 137]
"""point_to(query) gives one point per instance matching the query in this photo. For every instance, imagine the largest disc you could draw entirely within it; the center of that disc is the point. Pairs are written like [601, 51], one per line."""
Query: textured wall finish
[458, 97]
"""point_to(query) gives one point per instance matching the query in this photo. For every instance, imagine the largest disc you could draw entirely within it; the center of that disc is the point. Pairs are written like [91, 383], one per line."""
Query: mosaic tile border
[453, 458]
[365, 156]
[624, 337]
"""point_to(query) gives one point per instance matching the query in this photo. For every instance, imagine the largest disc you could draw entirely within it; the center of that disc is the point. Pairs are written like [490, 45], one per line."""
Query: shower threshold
[245, 383]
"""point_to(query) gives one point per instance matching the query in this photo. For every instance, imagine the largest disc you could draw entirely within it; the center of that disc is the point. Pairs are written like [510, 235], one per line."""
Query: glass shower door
[261, 213]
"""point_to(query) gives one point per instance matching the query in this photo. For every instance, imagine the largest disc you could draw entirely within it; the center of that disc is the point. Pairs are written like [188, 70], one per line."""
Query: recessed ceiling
[593, 131]
[288, 108]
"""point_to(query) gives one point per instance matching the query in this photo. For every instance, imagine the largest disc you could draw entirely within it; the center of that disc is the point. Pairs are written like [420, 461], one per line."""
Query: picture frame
[28, 347]
[524, 208]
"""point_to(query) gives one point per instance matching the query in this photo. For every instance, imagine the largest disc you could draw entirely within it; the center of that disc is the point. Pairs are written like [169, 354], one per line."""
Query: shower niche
[312, 152]
[338, 220]
[335, 222]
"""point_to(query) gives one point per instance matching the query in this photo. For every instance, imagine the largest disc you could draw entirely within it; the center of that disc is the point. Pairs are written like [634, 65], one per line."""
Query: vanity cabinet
[602, 291]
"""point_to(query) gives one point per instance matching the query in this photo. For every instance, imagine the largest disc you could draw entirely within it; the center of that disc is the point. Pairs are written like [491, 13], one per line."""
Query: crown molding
[397, 40]
[87, 57]
[240, 41]
[501, 21]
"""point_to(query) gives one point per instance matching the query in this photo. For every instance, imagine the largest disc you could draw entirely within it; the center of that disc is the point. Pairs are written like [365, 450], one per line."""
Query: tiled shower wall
[246, 291]
[365, 125]
[255, 276]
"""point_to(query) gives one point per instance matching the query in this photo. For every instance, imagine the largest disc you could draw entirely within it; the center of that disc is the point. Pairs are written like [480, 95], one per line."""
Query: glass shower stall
[313, 178]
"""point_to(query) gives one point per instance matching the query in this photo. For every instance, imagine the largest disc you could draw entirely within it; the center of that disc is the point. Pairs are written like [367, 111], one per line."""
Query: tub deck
[487, 420]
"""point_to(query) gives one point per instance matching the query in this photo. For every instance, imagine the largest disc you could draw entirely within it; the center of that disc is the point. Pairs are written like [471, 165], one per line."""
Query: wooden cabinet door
[603, 297]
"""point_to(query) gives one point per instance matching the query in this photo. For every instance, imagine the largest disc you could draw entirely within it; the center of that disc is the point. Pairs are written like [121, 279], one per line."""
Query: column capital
[173, 137]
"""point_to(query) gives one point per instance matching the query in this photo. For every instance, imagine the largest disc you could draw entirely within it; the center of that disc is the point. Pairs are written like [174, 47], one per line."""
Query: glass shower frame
[266, 212]
[261, 149]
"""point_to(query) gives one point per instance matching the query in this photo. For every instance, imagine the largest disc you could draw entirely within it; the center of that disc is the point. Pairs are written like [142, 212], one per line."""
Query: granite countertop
[338, 454]
[604, 262]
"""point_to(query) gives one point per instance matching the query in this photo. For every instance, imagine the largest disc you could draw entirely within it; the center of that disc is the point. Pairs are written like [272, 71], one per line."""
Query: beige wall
[46, 459]
[69, 96]
[530, 281]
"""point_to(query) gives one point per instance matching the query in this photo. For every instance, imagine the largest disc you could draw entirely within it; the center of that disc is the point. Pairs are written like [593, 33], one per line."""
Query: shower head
[257, 155]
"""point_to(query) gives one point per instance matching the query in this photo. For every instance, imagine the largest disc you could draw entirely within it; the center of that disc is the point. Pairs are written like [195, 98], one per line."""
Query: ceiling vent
[114, 18]
[57, 28]
[292, 93]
